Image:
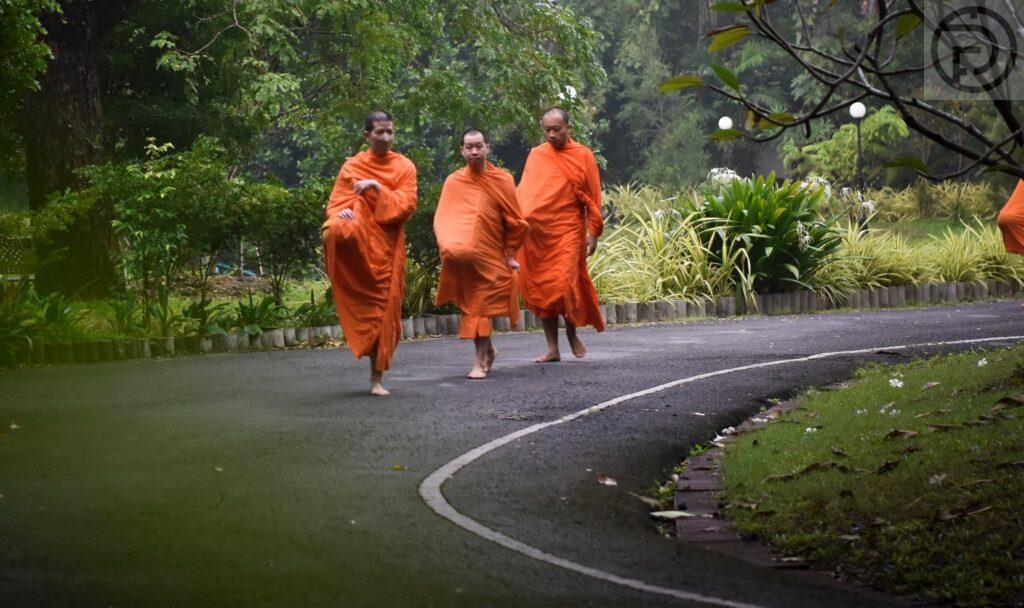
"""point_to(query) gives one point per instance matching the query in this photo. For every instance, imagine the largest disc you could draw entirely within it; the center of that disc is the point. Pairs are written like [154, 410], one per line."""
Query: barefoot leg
[551, 335]
[575, 343]
[492, 353]
[480, 367]
[376, 376]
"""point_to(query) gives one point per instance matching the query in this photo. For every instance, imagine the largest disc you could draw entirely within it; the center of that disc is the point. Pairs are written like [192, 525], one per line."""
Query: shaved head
[557, 111]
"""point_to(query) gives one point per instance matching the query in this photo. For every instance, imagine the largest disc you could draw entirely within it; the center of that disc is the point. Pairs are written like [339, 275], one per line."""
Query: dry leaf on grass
[886, 467]
[653, 503]
[937, 479]
[814, 466]
[1011, 465]
[605, 480]
[938, 428]
[899, 434]
[934, 413]
[838, 451]
[672, 515]
[928, 385]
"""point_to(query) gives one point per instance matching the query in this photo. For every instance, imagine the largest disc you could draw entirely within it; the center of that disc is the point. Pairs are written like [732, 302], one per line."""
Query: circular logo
[974, 49]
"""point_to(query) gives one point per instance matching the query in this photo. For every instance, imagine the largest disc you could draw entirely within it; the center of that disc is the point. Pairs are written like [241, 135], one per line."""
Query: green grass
[935, 515]
[919, 231]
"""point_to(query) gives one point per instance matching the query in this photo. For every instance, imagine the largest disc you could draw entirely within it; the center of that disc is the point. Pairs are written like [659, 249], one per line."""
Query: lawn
[909, 479]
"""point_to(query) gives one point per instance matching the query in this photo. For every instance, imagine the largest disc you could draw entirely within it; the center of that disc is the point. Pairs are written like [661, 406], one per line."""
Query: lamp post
[857, 112]
[725, 123]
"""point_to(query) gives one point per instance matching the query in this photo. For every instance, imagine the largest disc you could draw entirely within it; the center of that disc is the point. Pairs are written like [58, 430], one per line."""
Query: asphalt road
[272, 479]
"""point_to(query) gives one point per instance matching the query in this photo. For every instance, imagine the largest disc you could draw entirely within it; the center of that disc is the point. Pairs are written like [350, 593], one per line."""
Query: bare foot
[548, 357]
[491, 354]
[477, 373]
[378, 390]
[578, 350]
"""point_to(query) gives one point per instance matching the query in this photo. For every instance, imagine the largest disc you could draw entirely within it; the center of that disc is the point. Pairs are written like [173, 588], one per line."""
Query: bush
[779, 227]
[17, 327]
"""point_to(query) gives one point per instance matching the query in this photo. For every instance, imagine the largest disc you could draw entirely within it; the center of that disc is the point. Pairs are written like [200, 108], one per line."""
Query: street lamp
[857, 112]
[725, 123]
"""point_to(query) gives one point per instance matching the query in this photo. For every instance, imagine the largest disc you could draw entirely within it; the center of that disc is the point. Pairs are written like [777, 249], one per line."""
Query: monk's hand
[591, 245]
[512, 263]
[365, 184]
[347, 214]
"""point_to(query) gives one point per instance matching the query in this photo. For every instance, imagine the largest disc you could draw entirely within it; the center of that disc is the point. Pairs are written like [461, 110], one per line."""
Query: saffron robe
[560, 192]
[1011, 221]
[479, 226]
[365, 256]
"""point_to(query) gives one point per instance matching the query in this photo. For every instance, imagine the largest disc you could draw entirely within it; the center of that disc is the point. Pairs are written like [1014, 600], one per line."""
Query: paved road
[269, 479]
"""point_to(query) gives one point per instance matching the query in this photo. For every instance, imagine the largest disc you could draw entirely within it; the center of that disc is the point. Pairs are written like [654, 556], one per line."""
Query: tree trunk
[63, 131]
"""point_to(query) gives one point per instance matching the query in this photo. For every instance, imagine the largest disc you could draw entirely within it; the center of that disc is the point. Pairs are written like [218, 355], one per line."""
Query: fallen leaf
[899, 434]
[839, 451]
[947, 516]
[849, 537]
[653, 503]
[1011, 465]
[943, 427]
[814, 466]
[910, 449]
[886, 467]
[937, 479]
[399, 467]
[1006, 403]
[743, 504]
[977, 511]
[14, 426]
[934, 413]
[928, 385]
[605, 480]
[218, 469]
[671, 515]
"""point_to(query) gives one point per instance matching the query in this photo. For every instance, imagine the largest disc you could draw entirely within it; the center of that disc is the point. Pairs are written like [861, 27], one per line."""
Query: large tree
[877, 56]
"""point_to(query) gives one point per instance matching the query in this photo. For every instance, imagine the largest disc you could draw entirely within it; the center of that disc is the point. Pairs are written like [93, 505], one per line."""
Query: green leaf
[730, 7]
[685, 81]
[907, 24]
[725, 135]
[906, 162]
[726, 77]
[728, 37]
[779, 119]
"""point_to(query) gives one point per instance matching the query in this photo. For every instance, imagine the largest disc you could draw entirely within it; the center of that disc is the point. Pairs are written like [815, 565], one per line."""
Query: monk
[1011, 221]
[479, 227]
[560, 192]
[364, 245]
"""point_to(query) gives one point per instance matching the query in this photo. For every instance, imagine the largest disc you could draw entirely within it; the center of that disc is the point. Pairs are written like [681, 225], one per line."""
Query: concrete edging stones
[793, 302]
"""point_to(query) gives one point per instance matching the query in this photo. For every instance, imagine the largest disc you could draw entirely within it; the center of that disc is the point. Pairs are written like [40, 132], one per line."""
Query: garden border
[793, 302]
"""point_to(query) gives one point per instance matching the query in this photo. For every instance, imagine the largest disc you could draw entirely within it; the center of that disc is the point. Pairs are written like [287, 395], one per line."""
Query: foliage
[420, 287]
[943, 200]
[882, 132]
[16, 322]
[25, 57]
[163, 311]
[778, 226]
[203, 317]
[255, 317]
[285, 228]
[57, 316]
[660, 254]
[127, 315]
[316, 313]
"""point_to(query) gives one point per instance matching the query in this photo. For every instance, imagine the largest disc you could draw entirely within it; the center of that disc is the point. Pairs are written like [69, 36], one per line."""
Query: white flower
[983, 362]
[868, 207]
[861, 412]
[720, 176]
[895, 383]
[810, 429]
[803, 236]
[894, 412]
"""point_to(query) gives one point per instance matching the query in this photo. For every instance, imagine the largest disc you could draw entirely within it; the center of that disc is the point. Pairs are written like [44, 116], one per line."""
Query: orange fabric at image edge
[1011, 221]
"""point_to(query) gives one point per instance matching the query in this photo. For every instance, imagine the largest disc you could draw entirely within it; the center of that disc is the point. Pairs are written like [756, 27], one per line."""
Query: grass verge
[908, 479]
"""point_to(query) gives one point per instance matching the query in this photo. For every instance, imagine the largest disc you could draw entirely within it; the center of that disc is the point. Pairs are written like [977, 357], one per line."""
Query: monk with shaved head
[479, 226]
[364, 245]
[560, 192]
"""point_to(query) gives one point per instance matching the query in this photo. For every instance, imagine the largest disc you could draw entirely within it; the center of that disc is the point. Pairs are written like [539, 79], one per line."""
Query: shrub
[779, 227]
[316, 313]
[255, 317]
[17, 327]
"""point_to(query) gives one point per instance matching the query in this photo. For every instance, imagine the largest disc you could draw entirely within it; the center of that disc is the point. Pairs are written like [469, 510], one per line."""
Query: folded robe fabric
[365, 256]
[1011, 221]
[479, 225]
[560, 193]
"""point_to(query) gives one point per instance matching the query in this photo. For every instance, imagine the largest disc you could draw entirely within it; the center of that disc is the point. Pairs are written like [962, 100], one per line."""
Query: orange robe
[1011, 220]
[479, 225]
[365, 256]
[560, 192]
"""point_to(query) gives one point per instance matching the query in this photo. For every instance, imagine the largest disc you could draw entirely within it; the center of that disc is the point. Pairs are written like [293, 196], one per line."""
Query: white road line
[430, 488]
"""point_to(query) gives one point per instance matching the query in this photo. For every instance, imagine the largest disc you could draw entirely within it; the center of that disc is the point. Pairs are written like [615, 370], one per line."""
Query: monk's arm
[592, 184]
[394, 206]
[516, 225]
[341, 196]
